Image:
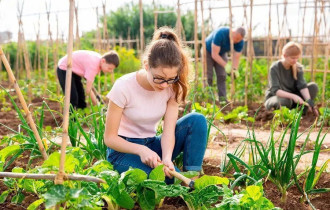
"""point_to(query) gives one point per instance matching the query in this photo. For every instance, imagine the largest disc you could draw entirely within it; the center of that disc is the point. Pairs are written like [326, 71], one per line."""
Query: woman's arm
[284, 94]
[168, 136]
[89, 86]
[112, 140]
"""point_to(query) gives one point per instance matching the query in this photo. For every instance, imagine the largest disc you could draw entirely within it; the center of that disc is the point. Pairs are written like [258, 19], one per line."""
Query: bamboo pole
[129, 38]
[47, 44]
[98, 46]
[209, 28]
[65, 138]
[75, 177]
[141, 27]
[204, 76]
[105, 37]
[55, 57]
[251, 50]
[155, 16]
[314, 51]
[196, 45]
[23, 102]
[327, 48]
[105, 27]
[77, 41]
[25, 52]
[179, 27]
[231, 54]
[246, 80]
[269, 40]
[303, 27]
[28, 68]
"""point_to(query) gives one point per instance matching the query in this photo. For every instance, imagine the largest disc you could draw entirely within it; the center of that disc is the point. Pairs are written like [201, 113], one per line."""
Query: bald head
[238, 34]
[241, 31]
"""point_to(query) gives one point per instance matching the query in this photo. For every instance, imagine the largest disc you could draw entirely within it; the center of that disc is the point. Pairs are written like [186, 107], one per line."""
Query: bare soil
[234, 133]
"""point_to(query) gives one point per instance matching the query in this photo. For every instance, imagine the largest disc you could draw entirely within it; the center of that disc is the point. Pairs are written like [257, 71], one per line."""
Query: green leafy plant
[250, 198]
[324, 116]
[278, 164]
[237, 115]
[284, 116]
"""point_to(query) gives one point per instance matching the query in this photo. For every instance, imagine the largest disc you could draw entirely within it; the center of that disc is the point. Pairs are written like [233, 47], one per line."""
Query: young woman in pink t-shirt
[139, 100]
[85, 64]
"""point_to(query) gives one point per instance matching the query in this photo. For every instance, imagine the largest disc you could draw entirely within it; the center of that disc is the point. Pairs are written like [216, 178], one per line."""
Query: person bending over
[85, 64]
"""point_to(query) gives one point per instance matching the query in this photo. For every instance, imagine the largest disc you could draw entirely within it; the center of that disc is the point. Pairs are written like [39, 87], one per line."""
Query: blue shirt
[220, 37]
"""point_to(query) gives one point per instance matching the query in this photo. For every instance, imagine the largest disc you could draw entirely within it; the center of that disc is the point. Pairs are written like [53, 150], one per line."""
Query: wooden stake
[141, 28]
[204, 76]
[98, 45]
[155, 15]
[77, 43]
[196, 45]
[251, 50]
[314, 51]
[231, 54]
[76, 177]
[24, 105]
[105, 38]
[178, 25]
[270, 39]
[303, 27]
[25, 53]
[65, 138]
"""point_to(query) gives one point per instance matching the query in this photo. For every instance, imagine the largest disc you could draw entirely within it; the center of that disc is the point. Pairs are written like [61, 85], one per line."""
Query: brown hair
[292, 49]
[111, 57]
[166, 50]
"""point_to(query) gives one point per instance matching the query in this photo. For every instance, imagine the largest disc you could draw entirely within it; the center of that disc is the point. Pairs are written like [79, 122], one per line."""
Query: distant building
[5, 36]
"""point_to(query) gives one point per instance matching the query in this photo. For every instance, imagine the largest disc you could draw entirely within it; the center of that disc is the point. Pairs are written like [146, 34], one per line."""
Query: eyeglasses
[161, 81]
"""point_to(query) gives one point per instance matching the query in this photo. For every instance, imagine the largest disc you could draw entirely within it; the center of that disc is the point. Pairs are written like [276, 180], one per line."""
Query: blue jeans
[190, 138]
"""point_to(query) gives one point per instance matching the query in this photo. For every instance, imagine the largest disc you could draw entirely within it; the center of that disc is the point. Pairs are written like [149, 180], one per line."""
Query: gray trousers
[220, 73]
[276, 102]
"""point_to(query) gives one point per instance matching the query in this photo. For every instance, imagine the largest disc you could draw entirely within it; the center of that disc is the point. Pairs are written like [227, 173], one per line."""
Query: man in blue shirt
[217, 46]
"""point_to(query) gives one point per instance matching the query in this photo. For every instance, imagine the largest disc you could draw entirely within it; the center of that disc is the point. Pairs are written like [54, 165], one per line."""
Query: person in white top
[139, 100]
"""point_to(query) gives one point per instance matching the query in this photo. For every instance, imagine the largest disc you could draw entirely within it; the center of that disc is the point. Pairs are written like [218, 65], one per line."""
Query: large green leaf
[208, 195]
[31, 185]
[6, 152]
[35, 204]
[206, 180]
[146, 198]
[117, 192]
[3, 196]
[56, 194]
[163, 190]
[18, 198]
[157, 173]
[54, 161]
[133, 177]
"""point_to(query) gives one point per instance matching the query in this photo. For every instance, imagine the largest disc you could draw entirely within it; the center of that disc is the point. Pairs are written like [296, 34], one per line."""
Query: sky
[87, 15]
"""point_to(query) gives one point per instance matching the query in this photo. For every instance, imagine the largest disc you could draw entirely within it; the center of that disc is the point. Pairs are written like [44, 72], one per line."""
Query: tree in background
[127, 19]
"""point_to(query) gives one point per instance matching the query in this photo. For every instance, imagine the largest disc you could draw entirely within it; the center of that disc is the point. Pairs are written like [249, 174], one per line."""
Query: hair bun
[163, 36]
[166, 36]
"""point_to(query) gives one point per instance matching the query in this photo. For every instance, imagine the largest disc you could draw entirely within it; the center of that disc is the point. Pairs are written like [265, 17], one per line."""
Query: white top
[143, 109]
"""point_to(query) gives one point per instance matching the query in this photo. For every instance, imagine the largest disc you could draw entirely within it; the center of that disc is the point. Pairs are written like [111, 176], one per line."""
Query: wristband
[310, 102]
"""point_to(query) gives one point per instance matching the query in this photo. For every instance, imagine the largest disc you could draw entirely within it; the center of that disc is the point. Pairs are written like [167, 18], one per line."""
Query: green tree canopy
[127, 19]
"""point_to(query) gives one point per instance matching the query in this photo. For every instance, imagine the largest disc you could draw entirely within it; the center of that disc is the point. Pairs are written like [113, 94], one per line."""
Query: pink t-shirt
[84, 63]
[143, 109]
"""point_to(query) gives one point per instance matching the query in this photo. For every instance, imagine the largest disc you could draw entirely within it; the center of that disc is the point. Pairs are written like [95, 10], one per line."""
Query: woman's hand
[315, 111]
[149, 157]
[298, 100]
[168, 165]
